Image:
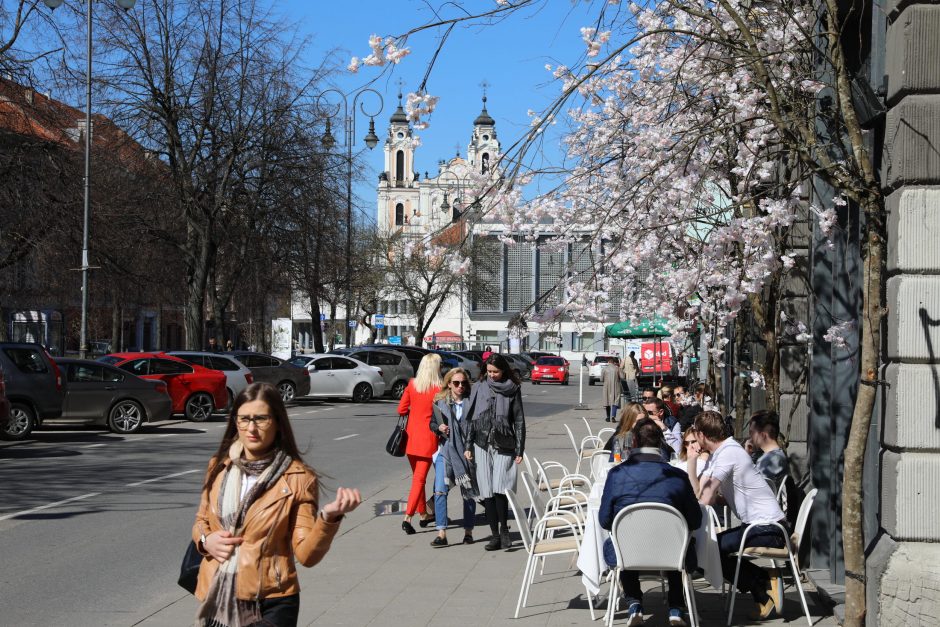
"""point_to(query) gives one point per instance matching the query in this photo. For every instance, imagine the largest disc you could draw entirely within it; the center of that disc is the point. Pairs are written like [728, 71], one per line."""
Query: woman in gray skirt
[496, 442]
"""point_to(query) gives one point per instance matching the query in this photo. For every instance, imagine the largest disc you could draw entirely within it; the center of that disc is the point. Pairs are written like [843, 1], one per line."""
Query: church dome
[484, 118]
[399, 116]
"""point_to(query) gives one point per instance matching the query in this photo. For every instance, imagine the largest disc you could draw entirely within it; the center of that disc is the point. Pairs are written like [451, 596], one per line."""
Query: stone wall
[903, 572]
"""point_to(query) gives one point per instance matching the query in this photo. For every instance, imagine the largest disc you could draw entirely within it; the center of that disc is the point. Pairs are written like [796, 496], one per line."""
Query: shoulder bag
[189, 569]
[399, 439]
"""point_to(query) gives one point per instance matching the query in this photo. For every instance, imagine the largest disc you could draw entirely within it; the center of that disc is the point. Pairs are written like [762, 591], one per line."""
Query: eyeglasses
[687, 442]
[648, 398]
[464, 384]
[262, 421]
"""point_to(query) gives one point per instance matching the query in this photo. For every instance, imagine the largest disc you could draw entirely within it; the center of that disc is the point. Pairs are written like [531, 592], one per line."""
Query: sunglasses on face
[464, 384]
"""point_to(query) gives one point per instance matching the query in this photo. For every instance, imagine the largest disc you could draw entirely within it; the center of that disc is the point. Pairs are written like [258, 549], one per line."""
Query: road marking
[175, 474]
[48, 506]
[345, 437]
[92, 445]
[167, 435]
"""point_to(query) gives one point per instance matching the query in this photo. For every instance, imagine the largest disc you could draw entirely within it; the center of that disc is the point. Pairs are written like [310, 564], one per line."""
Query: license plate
[548, 376]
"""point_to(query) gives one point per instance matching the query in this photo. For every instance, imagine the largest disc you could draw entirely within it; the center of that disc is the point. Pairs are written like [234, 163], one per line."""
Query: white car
[237, 375]
[337, 375]
[597, 367]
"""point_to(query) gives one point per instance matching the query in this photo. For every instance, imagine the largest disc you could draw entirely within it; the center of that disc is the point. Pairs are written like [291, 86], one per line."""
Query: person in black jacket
[496, 442]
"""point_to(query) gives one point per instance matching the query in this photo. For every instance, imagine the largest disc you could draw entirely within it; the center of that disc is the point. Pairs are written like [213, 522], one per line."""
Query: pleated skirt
[496, 472]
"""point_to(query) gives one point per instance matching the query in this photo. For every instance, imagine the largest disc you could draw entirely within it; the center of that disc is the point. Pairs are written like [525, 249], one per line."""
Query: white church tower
[398, 184]
[484, 147]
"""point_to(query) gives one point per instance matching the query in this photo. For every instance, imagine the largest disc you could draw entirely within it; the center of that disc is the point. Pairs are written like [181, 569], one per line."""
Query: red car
[551, 369]
[195, 391]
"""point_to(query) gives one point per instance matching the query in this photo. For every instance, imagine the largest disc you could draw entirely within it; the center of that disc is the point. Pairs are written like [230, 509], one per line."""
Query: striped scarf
[222, 607]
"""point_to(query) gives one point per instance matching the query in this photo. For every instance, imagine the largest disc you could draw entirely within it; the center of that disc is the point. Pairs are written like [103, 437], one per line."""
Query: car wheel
[287, 390]
[565, 382]
[398, 389]
[126, 417]
[362, 393]
[199, 407]
[231, 399]
[22, 422]
[590, 381]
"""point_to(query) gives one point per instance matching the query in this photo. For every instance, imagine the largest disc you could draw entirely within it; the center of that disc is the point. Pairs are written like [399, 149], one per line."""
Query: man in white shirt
[732, 476]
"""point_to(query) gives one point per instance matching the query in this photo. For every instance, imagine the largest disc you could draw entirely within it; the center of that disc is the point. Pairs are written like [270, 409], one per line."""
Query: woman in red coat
[418, 403]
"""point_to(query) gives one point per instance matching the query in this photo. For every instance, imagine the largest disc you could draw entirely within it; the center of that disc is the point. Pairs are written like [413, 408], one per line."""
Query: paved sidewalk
[377, 575]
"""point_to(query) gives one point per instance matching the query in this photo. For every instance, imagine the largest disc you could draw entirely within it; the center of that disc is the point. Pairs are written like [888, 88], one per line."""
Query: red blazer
[422, 442]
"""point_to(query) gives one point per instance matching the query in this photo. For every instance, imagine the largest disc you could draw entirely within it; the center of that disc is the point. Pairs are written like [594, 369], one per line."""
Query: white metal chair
[540, 505]
[599, 461]
[782, 493]
[787, 554]
[568, 483]
[587, 446]
[605, 433]
[539, 544]
[630, 535]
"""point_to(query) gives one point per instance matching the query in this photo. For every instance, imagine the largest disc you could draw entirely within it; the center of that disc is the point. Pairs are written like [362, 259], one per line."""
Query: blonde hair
[445, 385]
[429, 373]
[628, 415]
[663, 391]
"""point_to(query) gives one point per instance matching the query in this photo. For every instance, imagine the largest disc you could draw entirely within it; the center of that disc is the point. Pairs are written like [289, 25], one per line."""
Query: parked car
[534, 355]
[195, 391]
[395, 367]
[413, 353]
[472, 366]
[237, 374]
[291, 380]
[597, 367]
[338, 375]
[4, 404]
[34, 387]
[550, 369]
[99, 394]
[521, 365]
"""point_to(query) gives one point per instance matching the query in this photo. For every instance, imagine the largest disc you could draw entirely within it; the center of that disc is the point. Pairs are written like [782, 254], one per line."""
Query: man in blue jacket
[647, 478]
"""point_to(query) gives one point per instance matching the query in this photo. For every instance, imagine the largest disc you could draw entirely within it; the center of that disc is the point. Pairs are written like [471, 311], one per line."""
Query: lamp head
[53, 4]
[371, 139]
[327, 139]
[127, 5]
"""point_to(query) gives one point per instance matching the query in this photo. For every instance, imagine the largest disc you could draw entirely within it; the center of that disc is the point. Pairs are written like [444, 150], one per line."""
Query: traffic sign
[395, 339]
[322, 317]
[379, 320]
[352, 324]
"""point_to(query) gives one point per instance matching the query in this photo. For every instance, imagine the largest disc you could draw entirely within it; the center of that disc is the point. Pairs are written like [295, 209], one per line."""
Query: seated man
[647, 478]
[672, 435]
[763, 431]
[731, 475]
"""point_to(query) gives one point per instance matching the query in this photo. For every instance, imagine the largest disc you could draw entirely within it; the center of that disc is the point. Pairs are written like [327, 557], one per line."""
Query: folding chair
[630, 535]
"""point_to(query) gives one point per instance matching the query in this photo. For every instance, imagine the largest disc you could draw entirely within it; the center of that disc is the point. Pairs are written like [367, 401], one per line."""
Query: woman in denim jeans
[451, 424]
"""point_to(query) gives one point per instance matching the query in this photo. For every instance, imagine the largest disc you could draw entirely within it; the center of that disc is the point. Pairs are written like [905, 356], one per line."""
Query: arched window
[399, 214]
[400, 168]
[485, 165]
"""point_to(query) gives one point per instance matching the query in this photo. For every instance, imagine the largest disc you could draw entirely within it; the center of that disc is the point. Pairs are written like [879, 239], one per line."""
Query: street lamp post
[349, 127]
[54, 4]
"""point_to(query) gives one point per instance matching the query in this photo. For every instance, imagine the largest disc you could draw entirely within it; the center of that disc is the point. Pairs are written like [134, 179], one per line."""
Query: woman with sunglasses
[691, 447]
[421, 445]
[258, 515]
[496, 442]
[452, 425]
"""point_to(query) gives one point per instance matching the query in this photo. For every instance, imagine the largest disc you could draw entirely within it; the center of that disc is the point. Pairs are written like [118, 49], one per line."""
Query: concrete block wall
[904, 565]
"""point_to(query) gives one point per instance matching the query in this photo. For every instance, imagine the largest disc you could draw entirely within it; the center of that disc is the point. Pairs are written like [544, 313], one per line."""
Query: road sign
[352, 324]
[379, 320]
[322, 317]
[395, 339]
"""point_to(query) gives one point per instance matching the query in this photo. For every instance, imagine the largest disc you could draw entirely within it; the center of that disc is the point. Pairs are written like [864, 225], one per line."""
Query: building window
[550, 341]
[485, 165]
[585, 342]
[551, 269]
[519, 276]
[400, 168]
[399, 214]
[486, 288]
[488, 339]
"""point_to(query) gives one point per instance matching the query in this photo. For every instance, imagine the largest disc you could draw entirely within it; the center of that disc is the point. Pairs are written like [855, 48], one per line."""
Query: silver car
[237, 375]
[471, 366]
[395, 367]
[338, 375]
[96, 393]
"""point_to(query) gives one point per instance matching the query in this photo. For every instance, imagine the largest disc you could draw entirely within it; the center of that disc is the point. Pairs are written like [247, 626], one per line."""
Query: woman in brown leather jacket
[258, 513]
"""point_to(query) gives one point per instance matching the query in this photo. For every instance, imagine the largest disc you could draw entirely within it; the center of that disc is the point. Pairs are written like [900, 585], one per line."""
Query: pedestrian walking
[213, 346]
[416, 402]
[629, 371]
[452, 425]
[610, 375]
[496, 443]
[258, 515]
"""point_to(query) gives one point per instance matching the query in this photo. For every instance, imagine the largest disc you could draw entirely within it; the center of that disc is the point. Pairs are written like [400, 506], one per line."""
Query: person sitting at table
[763, 431]
[690, 442]
[621, 441]
[647, 478]
[672, 435]
[731, 474]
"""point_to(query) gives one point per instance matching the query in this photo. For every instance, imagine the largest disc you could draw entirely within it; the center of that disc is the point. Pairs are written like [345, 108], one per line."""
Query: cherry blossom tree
[697, 130]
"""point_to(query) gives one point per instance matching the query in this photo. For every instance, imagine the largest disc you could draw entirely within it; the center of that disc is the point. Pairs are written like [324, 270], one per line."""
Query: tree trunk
[873, 304]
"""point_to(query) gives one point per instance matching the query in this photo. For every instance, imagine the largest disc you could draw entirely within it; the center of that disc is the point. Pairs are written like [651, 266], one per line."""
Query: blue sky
[510, 56]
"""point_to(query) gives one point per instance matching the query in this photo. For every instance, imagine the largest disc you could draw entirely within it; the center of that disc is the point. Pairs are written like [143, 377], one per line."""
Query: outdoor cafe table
[591, 558]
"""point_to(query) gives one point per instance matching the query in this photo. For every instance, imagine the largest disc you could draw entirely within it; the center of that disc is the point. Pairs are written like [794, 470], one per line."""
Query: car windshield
[299, 361]
[109, 359]
[551, 361]
[602, 359]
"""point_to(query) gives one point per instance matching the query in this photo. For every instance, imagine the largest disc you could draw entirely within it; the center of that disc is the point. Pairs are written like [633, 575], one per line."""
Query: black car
[34, 387]
[292, 381]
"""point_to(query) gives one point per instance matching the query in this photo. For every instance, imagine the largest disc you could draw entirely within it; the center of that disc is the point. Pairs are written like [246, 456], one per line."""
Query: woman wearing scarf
[451, 423]
[258, 514]
[421, 444]
[496, 442]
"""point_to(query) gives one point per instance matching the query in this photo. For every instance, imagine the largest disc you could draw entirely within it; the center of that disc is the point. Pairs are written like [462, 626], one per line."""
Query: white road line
[48, 506]
[345, 437]
[175, 474]
[92, 446]
[167, 435]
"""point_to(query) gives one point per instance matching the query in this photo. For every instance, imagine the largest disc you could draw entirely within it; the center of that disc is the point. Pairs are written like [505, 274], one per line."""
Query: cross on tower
[484, 86]
[457, 147]
[401, 85]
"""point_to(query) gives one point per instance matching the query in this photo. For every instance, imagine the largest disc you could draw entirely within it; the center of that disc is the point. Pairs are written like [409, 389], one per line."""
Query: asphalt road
[93, 525]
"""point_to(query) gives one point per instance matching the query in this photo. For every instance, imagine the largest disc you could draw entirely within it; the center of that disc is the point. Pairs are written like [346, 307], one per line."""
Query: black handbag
[189, 569]
[397, 441]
